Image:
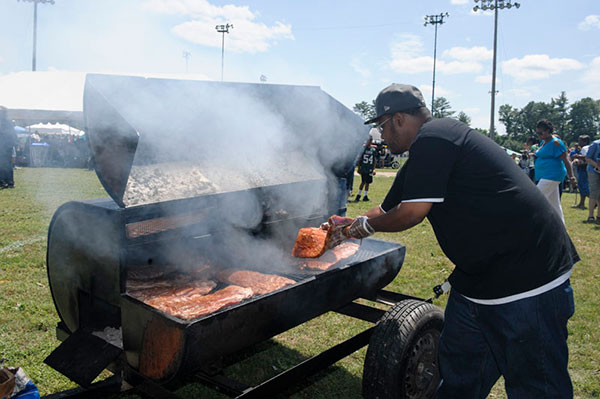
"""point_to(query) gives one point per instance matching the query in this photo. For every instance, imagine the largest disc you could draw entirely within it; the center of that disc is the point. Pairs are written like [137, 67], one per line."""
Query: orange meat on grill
[260, 283]
[312, 242]
[331, 257]
[173, 292]
[197, 306]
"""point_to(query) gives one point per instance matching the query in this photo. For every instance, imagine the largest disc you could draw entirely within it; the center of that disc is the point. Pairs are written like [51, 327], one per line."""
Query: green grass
[28, 317]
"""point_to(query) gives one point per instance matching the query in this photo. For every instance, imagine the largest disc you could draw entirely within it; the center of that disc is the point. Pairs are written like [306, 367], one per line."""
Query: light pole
[494, 5]
[223, 29]
[187, 55]
[35, 3]
[434, 20]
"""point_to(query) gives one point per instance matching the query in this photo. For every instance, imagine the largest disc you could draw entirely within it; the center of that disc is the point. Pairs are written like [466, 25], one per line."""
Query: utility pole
[223, 29]
[186, 55]
[35, 3]
[494, 5]
[434, 20]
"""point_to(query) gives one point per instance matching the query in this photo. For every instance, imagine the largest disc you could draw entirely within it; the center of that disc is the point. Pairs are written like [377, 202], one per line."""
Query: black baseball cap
[397, 98]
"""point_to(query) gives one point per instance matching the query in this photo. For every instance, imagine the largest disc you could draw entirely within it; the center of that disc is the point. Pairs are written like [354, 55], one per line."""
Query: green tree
[532, 113]
[513, 122]
[365, 110]
[442, 108]
[584, 118]
[560, 116]
[464, 118]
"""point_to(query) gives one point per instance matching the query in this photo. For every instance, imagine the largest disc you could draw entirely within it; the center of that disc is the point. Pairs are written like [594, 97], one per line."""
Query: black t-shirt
[490, 220]
[367, 160]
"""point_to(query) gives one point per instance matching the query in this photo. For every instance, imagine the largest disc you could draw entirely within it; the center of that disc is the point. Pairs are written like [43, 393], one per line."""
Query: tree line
[570, 121]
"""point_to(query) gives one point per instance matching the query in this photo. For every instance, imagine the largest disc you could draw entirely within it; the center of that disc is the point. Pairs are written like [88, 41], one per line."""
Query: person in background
[511, 298]
[531, 145]
[366, 169]
[8, 139]
[578, 159]
[551, 165]
[592, 158]
[524, 162]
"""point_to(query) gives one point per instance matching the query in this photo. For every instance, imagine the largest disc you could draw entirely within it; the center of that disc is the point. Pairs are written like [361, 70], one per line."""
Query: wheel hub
[422, 369]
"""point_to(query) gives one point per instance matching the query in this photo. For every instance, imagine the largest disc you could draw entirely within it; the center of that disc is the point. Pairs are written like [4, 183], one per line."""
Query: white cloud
[439, 92]
[455, 67]
[407, 58]
[484, 79]
[538, 66]
[590, 22]
[477, 53]
[460, 1]
[362, 71]
[247, 35]
[523, 93]
[592, 76]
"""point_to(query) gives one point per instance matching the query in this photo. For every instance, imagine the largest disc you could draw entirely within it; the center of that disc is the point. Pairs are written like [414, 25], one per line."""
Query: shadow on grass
[256, 365]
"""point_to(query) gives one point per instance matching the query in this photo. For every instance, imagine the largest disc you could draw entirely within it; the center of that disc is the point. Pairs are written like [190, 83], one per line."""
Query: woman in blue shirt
[551, 164]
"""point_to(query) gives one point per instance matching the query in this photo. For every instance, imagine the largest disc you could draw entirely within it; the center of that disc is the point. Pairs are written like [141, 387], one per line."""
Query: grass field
[28, 317]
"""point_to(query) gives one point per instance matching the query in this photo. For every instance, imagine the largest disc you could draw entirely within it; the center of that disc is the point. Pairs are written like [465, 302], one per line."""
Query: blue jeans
[525, 341]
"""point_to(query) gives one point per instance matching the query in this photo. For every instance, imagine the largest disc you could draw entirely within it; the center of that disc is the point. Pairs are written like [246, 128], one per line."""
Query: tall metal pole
[34, 35]
[487, 5]
[492, 111]
[187, 55]
[434, 62]
[223, 29]
[35, 3]
[434, 20]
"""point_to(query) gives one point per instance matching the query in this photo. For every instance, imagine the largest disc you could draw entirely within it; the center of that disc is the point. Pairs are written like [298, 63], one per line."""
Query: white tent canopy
[54, 129]
[56, 90]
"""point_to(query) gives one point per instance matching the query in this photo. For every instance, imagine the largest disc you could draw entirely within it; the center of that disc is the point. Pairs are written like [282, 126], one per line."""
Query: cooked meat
[331, 257]
[173, 292]
[196, 306]
[312, 242]
[201, 272]
[149, 272]
[260, 283]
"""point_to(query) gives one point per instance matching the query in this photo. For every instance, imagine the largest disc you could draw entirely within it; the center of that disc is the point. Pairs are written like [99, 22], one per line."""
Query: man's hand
[360, 228]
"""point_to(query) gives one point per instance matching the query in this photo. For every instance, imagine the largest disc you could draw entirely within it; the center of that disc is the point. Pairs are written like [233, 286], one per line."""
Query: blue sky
[352, 49]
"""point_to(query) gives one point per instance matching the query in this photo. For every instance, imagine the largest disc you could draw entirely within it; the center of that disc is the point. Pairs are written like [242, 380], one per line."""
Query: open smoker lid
[156, 140]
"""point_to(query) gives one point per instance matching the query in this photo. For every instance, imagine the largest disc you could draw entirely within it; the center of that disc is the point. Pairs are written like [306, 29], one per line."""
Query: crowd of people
[554, 168]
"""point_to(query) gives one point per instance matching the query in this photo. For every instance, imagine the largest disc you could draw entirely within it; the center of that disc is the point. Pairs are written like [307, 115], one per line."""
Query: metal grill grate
[159, 225]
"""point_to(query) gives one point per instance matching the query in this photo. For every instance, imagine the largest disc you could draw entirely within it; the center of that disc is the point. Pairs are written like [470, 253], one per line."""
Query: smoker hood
[156, 140]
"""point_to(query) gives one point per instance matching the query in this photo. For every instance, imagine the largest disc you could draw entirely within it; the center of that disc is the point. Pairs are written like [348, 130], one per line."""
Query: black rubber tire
[401, 360]
[395, 165]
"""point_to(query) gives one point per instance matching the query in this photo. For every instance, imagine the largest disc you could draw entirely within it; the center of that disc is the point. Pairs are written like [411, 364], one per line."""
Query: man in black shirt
[511, 298]
[366, 169]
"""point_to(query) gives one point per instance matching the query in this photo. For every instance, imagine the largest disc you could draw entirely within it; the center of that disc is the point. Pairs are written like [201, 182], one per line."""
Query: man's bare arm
[402, 217]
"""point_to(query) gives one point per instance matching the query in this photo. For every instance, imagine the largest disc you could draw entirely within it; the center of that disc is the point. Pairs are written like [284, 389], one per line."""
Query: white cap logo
[386, 107]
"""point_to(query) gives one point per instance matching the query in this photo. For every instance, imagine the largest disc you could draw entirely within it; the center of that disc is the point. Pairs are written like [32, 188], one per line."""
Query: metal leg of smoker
[308, 367]
[362, 312]
[96, 390]
[223, 384]
[392, 298]
[147, 386]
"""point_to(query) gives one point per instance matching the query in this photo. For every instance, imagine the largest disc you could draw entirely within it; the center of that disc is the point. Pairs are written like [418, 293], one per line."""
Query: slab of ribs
[204, 289]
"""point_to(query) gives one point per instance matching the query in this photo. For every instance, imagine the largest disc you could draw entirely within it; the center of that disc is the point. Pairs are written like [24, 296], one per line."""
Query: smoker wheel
[401, 360]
